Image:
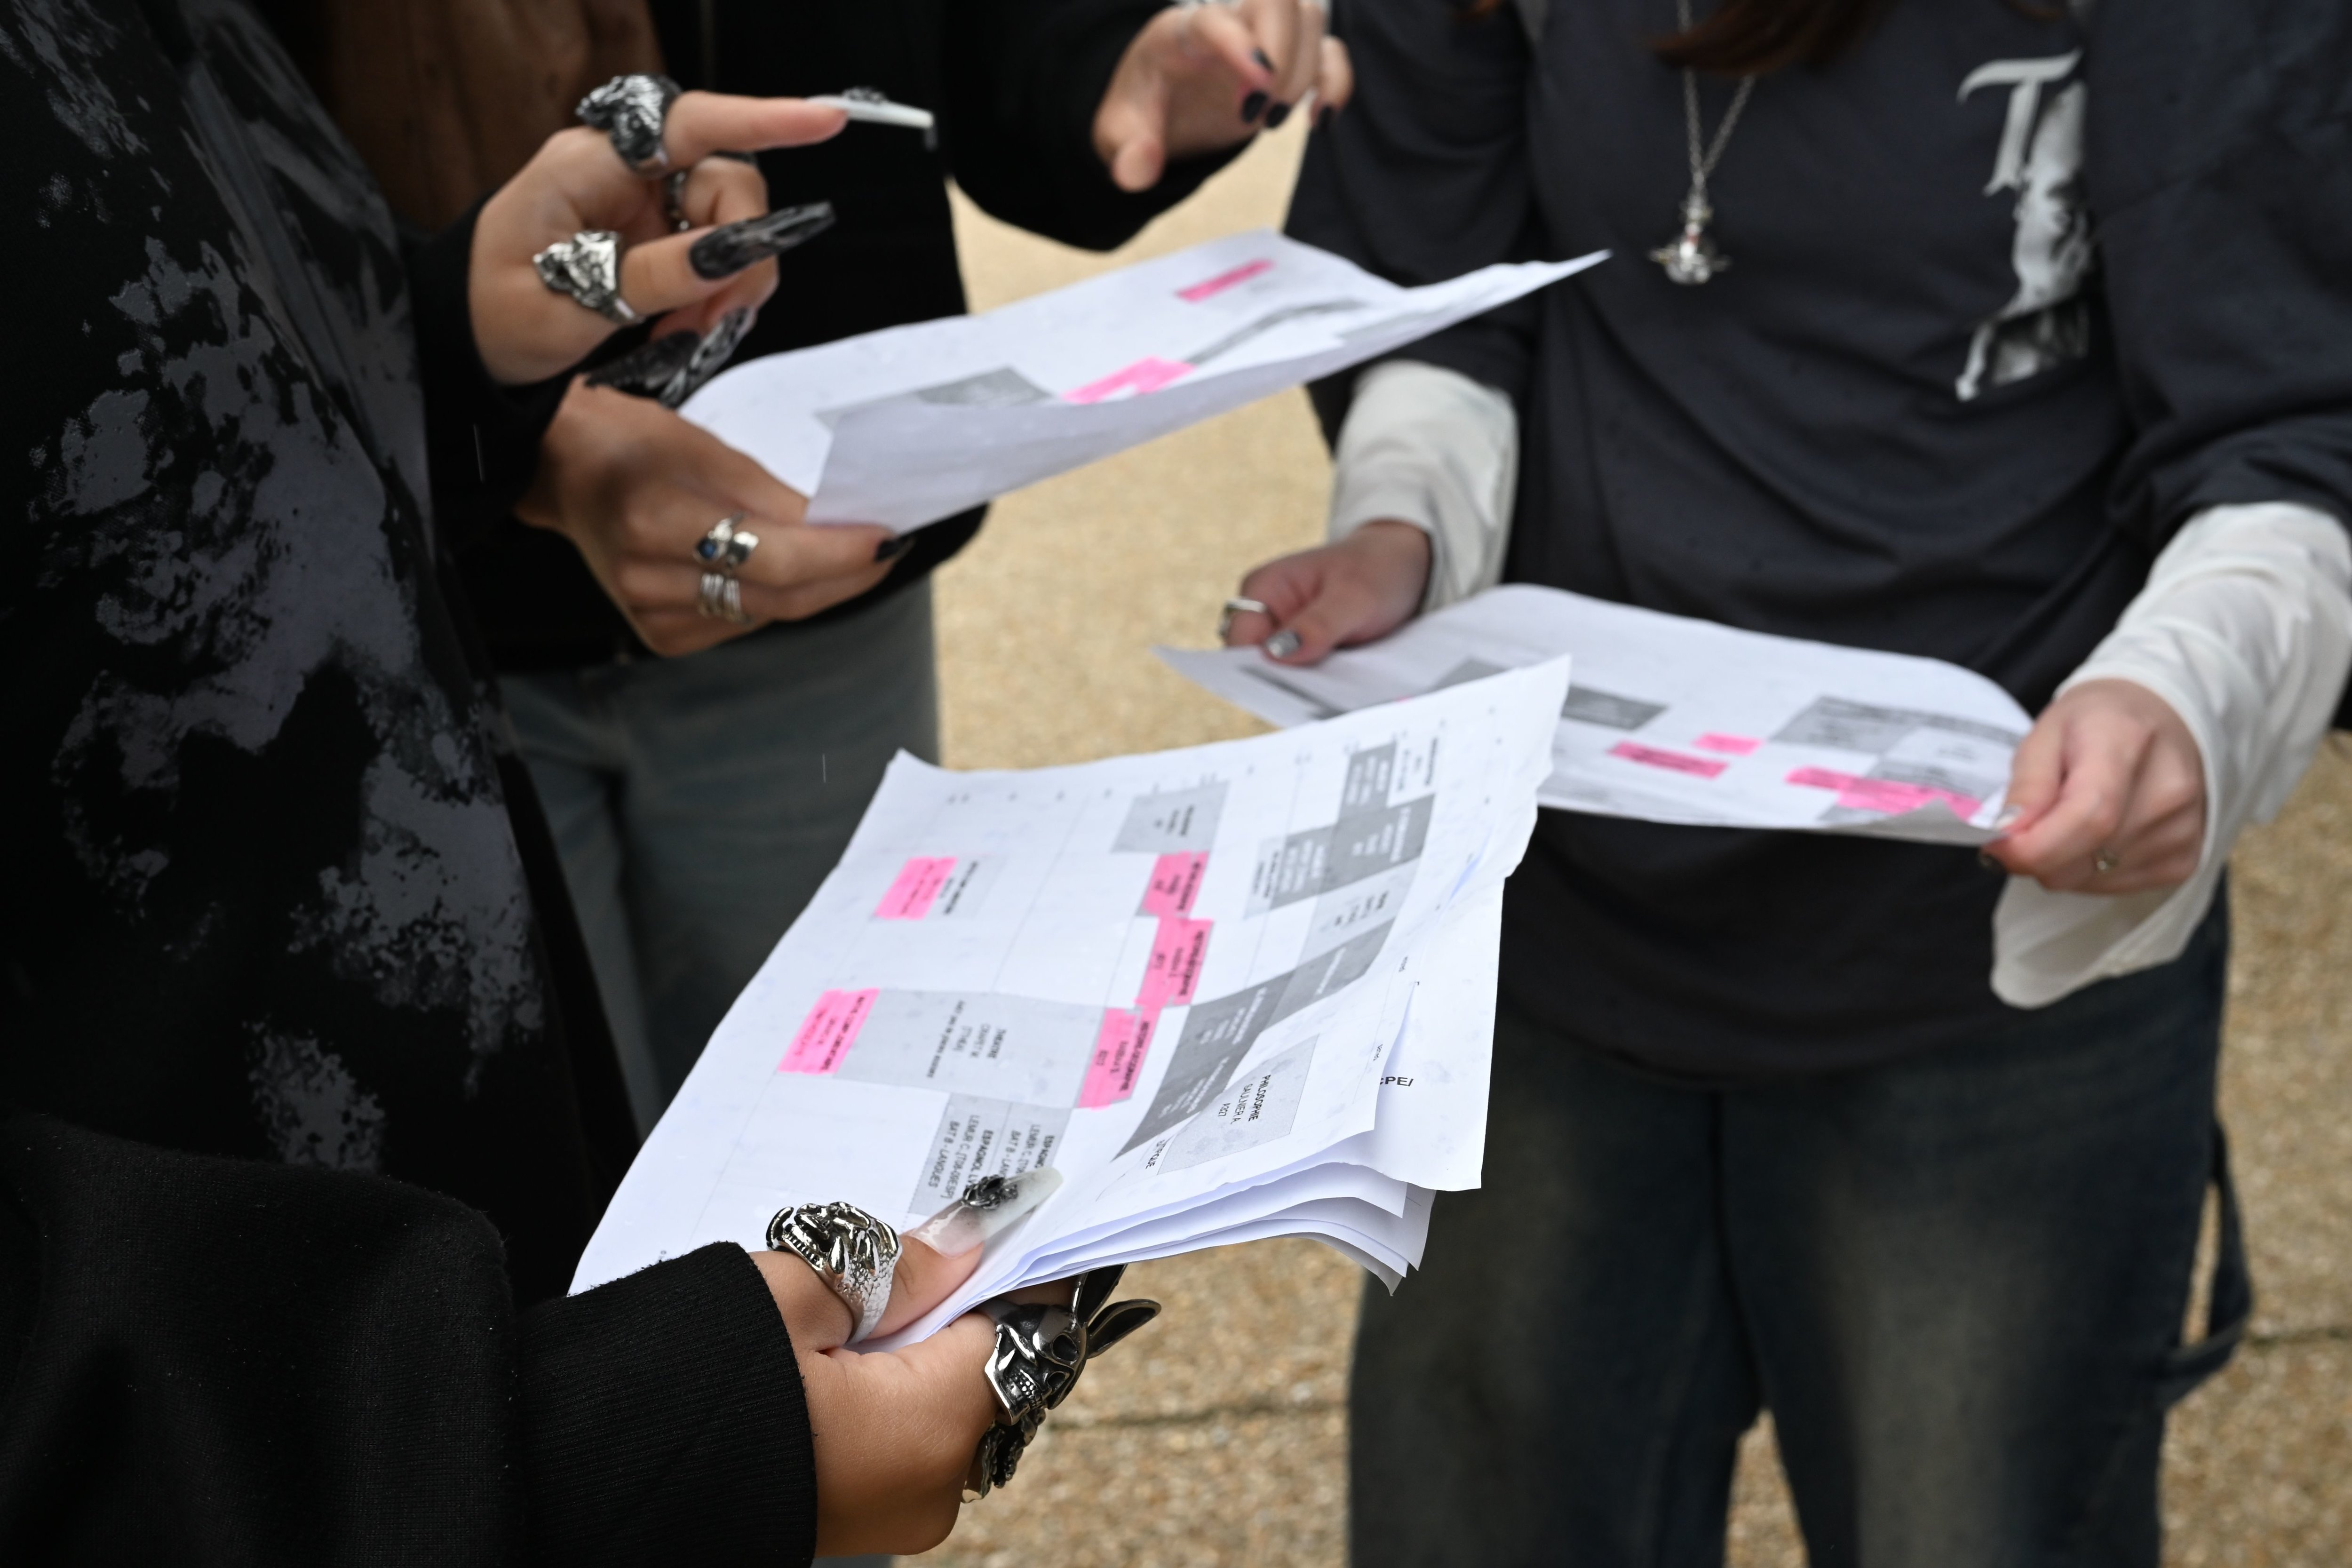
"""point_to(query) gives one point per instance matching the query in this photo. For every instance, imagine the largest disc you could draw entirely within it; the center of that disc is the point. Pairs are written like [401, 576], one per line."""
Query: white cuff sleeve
[2245, 630]
[1438, 450]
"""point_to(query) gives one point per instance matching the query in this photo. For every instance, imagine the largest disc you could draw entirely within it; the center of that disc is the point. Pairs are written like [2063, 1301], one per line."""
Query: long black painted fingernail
[649, 370]
[889, 548]
[1277, 115]
[1264, 64]
[711, 356]
[1251, 107]
[730, 247]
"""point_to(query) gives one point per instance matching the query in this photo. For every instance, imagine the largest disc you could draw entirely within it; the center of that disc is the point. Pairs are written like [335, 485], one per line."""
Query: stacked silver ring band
[721, 553]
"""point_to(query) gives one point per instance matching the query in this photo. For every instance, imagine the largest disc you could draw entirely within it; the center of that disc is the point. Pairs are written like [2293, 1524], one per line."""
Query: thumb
[2037, 771]
[1332, 616]
[1137, 164]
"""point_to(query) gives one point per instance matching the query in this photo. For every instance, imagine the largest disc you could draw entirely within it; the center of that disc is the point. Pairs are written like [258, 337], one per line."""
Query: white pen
[875, 108]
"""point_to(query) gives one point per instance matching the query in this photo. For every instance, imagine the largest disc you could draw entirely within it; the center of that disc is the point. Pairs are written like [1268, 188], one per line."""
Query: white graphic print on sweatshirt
[2047, 321]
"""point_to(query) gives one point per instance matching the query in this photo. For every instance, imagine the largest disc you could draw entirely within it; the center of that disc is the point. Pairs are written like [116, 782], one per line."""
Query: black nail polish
[1251, 107]
[1264, 63]
[1277, 115]
[888, 550]
[650, 369]
[711, 357]
[730, 248]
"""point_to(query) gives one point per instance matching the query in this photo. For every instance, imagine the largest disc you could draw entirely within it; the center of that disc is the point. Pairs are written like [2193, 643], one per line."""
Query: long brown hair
[1751, 37]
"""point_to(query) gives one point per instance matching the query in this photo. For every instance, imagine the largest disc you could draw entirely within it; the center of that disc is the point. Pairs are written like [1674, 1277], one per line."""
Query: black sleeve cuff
[663, 1421]
[482, 439]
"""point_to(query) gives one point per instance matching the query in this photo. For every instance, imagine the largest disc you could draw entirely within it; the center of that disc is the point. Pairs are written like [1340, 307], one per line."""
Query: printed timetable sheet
[914, 424]
[1682, 721]
[1234, 990]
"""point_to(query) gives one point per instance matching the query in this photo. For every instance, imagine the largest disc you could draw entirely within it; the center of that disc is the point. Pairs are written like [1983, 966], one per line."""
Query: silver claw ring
[1039, 1353]
[631, 110]
[587, 268]
[854, 1253]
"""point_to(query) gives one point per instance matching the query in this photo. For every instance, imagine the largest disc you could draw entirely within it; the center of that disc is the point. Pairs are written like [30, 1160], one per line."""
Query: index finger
[702, 123]
[1274, 24]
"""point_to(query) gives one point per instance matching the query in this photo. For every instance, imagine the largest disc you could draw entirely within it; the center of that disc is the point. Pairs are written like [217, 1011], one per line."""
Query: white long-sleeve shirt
[2244, 627]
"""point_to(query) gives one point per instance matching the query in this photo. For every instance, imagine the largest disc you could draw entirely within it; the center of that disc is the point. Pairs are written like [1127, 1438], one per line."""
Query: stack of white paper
[1674, 720]
[914, 424]
[1238, 990]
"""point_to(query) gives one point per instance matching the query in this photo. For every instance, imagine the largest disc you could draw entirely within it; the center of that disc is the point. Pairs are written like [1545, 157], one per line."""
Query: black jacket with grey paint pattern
[269, 889]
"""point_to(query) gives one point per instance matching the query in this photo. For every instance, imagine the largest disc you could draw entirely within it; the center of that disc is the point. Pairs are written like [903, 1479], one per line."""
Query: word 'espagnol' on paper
[1682, 720]
[1236, 991]
[914, 424]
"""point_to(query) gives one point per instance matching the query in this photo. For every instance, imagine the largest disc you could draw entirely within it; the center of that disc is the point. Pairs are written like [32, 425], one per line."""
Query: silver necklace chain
[1691, 258]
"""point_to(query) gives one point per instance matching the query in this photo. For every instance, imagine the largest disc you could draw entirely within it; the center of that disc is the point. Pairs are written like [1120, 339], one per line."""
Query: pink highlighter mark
[828, 1032]
[1174, 968]
[1887, 795]
[1118, 1057]
[1224, 280]
[1175, 882]
[920, 882]
[1730, 745]
[1672, 761]
[1149, 374]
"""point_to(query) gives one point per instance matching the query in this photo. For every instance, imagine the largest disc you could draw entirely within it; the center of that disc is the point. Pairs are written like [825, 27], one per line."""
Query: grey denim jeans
[697, 803]
[1959, 1282]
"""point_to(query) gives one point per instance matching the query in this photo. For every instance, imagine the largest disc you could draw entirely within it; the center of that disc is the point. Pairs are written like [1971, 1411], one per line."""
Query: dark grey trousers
[698, 802]
[1958, 1283]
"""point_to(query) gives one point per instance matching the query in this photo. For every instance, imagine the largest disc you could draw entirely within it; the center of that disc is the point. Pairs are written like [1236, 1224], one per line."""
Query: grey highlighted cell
[981, 1137]
[1366, 788]
[1846, 726]
[1256, 1108]
[982, 1043]
[1171, 822]
[1001, 388]
[1218, 1034]
[1606, 708]
[1468, 670]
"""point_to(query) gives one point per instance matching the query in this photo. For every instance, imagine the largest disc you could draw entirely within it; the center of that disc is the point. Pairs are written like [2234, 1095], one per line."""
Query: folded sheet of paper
[1237, 991]
[1682, 720]
[915, 423]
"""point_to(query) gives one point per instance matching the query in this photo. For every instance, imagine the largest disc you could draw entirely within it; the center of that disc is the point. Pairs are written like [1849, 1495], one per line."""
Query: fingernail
[1985, 860]
[711, 357]
[1277, 115]
[730, 247]
[2008, 815]
[1282, 644]
[889, 548]
[1264, 64]
[987, 1208]
[649, 370]
[1253, 106]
